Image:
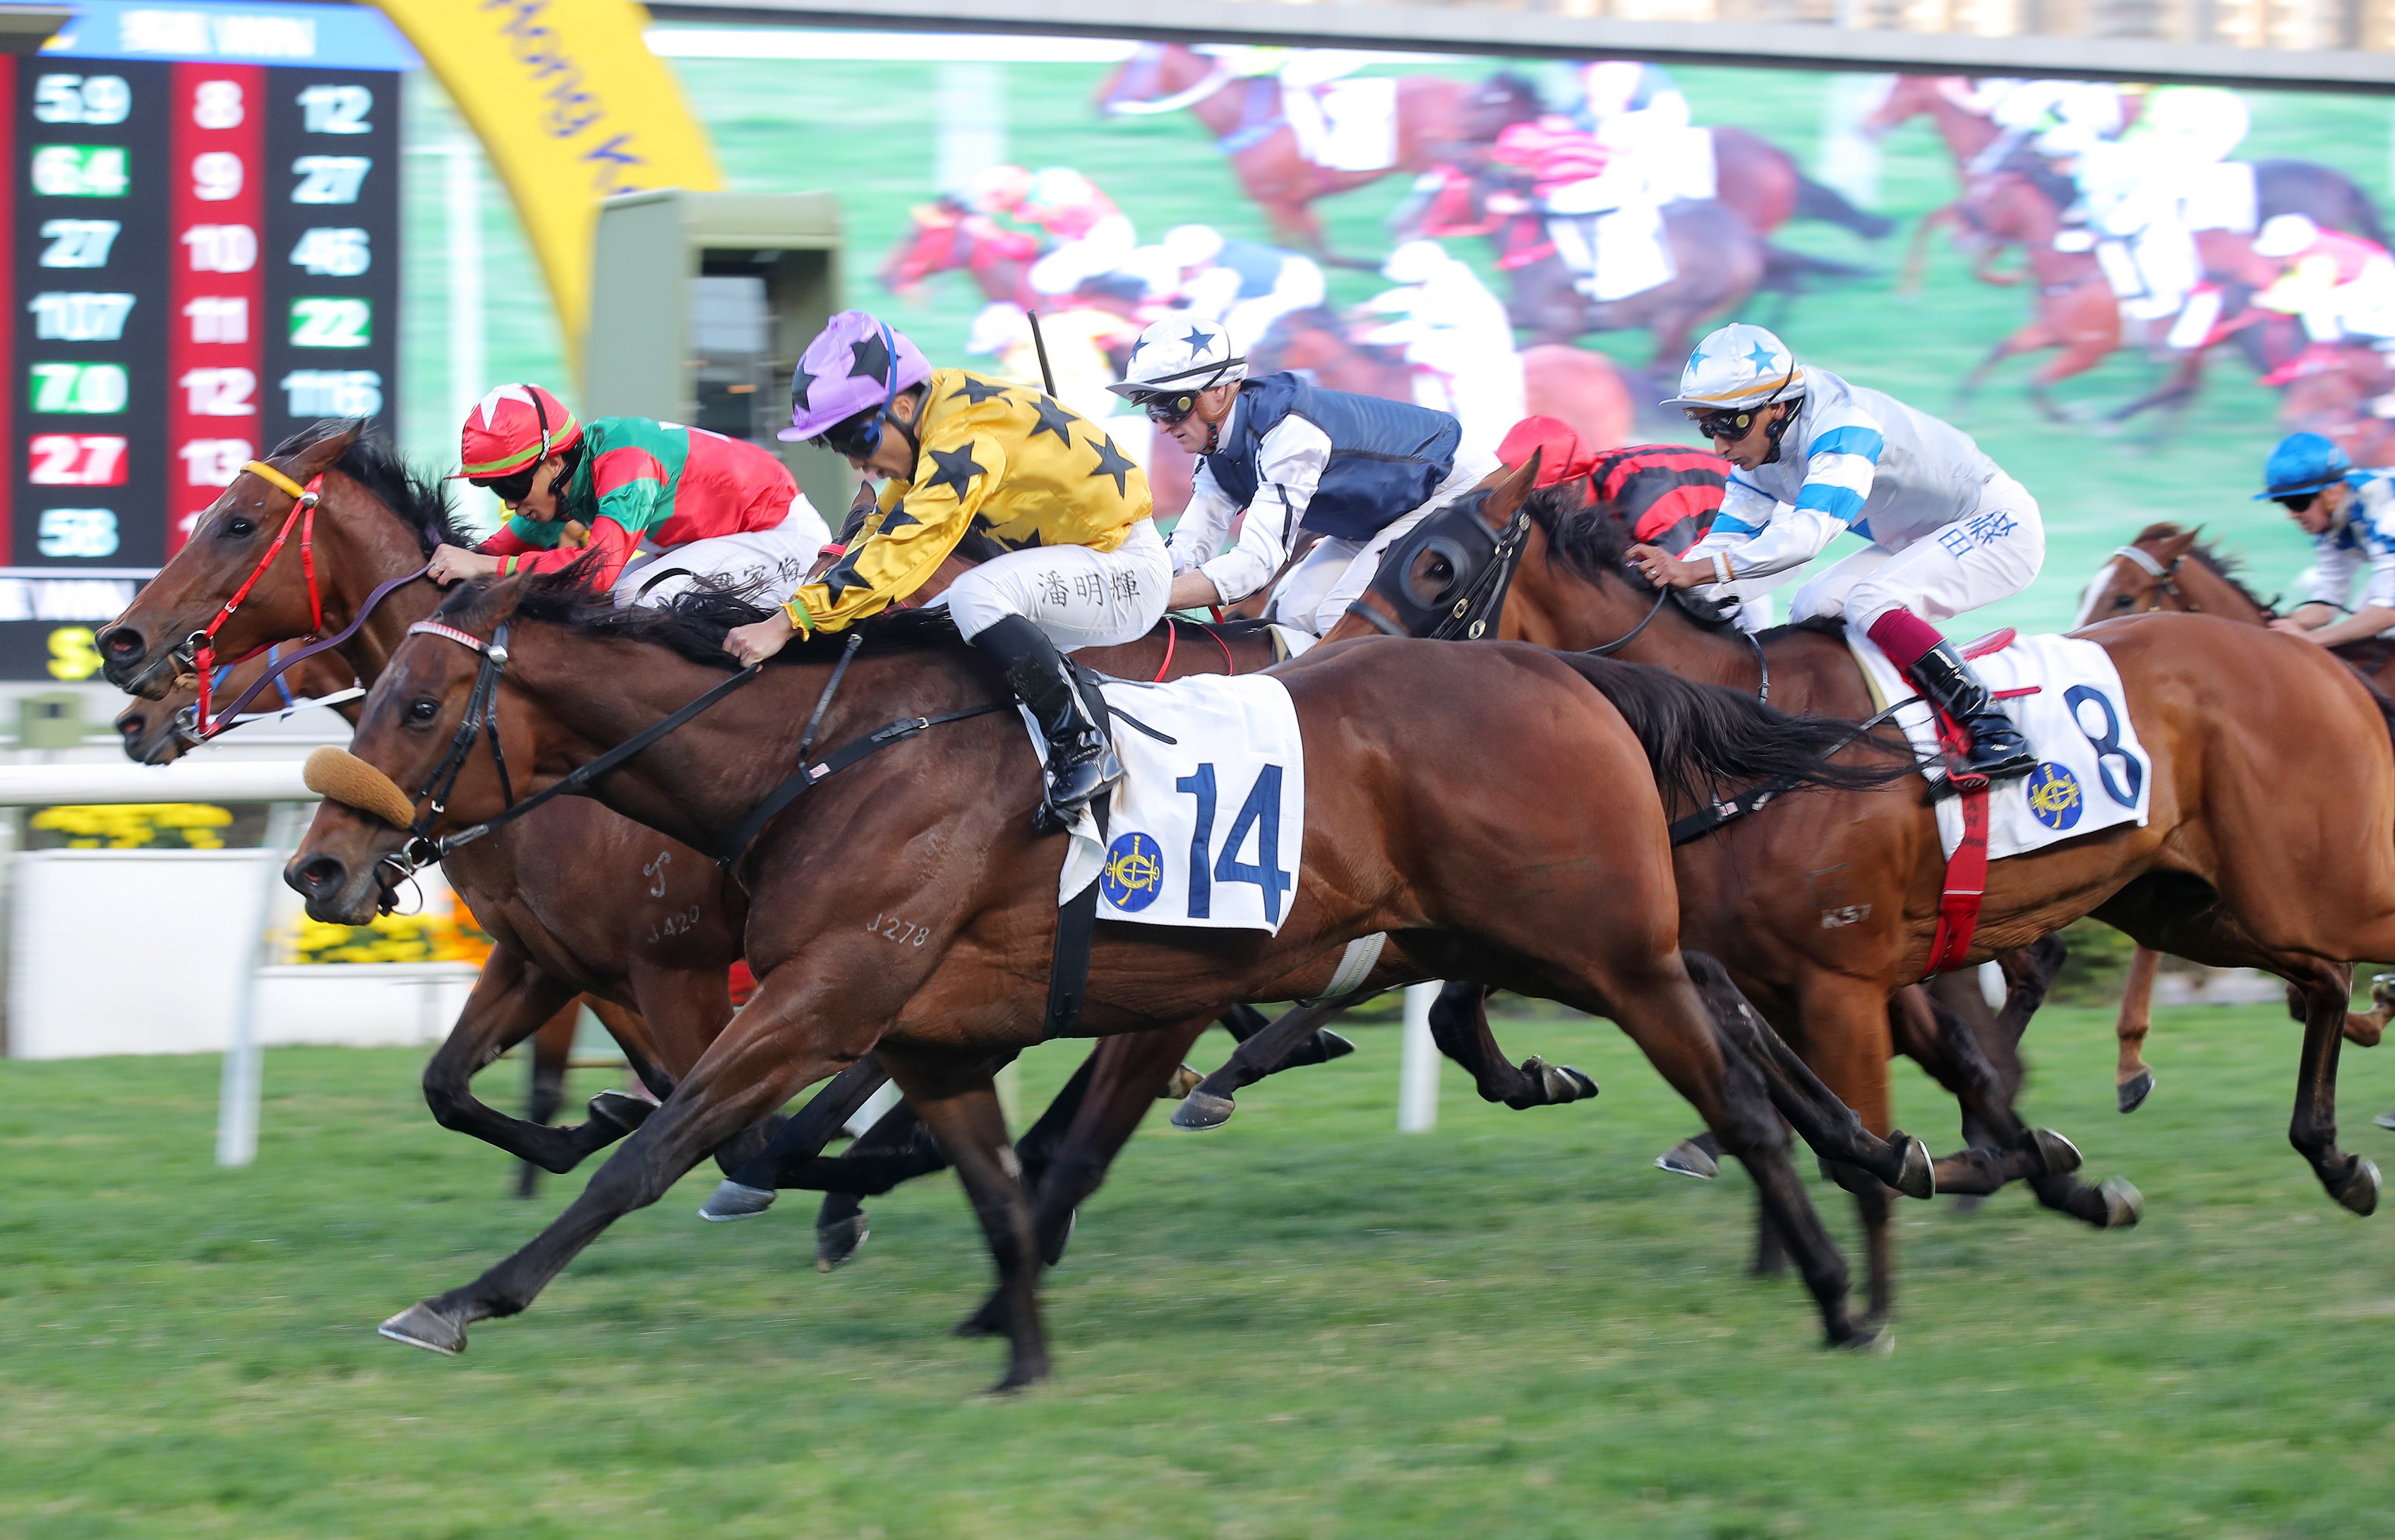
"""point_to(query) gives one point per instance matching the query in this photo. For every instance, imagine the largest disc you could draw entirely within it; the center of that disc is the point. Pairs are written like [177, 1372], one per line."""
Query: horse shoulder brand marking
[657, 869]
[679, 923]
[1843, 915]
[890, 927]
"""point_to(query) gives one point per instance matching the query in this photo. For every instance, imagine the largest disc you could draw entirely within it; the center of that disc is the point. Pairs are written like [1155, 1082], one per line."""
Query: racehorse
[2227, 870]
[1244, 114]
[904, 906]
[946, 236]
[2336, 391]
[1756, 179]
[2170, 568]
[2328, 197]
[1571, 384]
[2076, 311]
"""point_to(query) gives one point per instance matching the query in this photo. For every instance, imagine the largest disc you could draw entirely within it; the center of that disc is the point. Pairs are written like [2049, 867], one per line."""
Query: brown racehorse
[2075, 309]
[1244, 116]
[656, 944]
[946, 236]
[2336, 391]
[1572, 385]
[1759, 182]
[2169, 568]
[905, 907]
[2227, 870]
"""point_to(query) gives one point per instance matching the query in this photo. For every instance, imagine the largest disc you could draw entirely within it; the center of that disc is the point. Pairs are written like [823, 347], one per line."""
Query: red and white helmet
[514, 426]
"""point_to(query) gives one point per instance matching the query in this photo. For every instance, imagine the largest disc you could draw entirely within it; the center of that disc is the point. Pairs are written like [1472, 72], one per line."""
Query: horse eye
[423, 709]
[2122, 602]
[236, 527]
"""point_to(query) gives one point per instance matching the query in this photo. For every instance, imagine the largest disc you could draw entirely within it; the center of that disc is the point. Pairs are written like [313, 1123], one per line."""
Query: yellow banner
[572, 108]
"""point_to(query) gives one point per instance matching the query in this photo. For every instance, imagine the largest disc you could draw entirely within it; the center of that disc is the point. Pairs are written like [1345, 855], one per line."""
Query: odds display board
[203, 203]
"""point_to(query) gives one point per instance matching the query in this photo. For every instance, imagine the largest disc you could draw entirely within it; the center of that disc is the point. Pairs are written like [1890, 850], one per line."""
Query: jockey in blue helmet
[2350, 516]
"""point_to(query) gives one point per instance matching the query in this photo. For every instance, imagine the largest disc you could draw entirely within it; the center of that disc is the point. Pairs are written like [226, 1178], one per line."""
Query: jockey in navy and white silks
[1356, 471]
[1816, 456]
[2350, 516]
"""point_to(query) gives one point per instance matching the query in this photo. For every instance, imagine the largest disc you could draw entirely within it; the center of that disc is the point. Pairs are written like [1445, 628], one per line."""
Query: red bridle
[303, 516]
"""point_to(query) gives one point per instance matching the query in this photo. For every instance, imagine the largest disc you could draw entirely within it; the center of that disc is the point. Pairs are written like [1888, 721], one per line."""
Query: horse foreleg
[1939, 1041]
[747, 1190]
[2133, 1079]
[1127, 1071]
[1459, 1024]
[958, 1104]
[1211, 1105]
[1916, 255]
[512, 1000]
[552, 1051]
[761, 1062]
[2312, 1130]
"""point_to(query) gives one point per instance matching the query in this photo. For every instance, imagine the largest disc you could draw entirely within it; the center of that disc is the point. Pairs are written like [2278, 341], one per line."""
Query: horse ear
[2180, 543]
[1508, 491]
[316, 458]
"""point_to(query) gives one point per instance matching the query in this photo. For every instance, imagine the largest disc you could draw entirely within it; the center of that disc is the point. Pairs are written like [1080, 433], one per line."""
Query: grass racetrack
[1304, 1326]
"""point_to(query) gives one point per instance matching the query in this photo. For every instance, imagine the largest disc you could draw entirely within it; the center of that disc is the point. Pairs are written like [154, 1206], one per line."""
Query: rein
[1606, 650]
[1730, 809]
[1221, 75]
[202, 642]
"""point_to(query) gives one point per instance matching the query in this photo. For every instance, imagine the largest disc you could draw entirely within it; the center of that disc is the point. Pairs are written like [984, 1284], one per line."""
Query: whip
[1039, 344]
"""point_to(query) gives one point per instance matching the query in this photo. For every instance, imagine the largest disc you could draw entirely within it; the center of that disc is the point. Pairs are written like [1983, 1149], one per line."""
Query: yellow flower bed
[430, 938]
[139, 826]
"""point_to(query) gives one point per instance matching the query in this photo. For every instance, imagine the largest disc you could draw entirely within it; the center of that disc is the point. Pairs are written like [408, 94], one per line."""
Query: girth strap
[839, 760]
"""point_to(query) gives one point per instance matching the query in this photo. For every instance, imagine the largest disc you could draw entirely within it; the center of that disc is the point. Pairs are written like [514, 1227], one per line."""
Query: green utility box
[53, 718]
[757, 274]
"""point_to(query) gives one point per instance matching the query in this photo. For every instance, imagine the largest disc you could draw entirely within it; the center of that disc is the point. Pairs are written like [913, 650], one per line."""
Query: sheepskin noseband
[337, 775]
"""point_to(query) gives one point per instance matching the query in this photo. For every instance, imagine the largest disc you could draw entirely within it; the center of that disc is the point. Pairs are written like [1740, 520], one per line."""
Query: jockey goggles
[1731, 422]
[856, 438]
[1166, 408]
[2297, 502]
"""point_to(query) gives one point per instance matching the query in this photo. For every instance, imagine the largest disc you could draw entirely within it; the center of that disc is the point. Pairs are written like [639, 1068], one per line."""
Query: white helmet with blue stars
[1737, 368]
[1179, 355]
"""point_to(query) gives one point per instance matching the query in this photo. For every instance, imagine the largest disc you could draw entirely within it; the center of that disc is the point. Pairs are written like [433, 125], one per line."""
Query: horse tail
[1821, 200]
[1783, 269]
[1704, 739]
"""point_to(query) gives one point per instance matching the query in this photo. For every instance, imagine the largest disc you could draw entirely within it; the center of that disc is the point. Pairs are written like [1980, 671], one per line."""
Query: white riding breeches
[768, 566]
[1990, 553]
[1080, 596]
[1335, 573]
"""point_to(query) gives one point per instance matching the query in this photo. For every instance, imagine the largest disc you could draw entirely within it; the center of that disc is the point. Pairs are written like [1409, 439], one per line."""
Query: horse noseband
[482, 713]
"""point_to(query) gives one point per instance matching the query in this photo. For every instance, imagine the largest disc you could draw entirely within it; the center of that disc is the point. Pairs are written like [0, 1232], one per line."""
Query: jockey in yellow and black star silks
[1082, 565]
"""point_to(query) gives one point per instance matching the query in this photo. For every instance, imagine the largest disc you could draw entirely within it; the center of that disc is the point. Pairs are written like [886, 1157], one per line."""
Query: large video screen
[1820, 188]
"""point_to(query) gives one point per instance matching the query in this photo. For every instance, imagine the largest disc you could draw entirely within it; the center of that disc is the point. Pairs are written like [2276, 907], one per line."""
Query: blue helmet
[2303, 462]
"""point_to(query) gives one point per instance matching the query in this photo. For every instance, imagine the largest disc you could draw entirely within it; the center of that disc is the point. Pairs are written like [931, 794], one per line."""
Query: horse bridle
[1469, 613]
[191, 724]
[2165, 578]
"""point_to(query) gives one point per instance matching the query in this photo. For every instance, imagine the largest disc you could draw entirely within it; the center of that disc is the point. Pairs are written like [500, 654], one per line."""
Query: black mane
[2212, 559]
[692, 627]
[421, 500]
[1592, 542]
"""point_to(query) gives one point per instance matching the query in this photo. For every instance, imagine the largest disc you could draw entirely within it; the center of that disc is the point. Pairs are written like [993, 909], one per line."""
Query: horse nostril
[320, 874]
[122, 641]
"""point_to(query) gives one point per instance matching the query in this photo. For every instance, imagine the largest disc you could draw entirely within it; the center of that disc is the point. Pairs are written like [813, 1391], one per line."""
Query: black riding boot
[1998, 751]
[1081, 760]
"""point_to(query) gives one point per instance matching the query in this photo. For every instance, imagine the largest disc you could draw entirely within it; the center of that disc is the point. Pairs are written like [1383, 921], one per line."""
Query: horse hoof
[2133, 1091]
[1688, 1158]
[1203, 1109]
[1019, 1378]
[621, 1109]
[839, 1241]
[1072, 1223]
[2123, 1205]
[733, 1200]
[1336, 1047]
[2360, 1193]
[2386, 1119]
[2062, 1156]
[1563, 1083]
[1185, 1080]
[988, 1320]
[1877, 1337]
[1917, 1178]
[422, 1326]
[2382, 990]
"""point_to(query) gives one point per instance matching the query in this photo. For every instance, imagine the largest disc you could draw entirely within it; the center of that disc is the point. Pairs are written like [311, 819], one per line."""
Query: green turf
[866, 132]
[1305, 1326]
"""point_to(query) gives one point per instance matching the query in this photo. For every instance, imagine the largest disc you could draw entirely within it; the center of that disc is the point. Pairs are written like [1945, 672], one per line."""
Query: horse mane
[2211, 558]
[692, 627]
[1592, 542]
[1518, 87]
[420, 501]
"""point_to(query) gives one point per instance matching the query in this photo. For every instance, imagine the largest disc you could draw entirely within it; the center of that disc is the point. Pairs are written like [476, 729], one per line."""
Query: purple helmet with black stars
[856, 364]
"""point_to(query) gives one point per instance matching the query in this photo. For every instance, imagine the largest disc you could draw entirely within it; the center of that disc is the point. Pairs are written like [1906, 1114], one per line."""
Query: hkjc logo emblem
[1133, 874]
[2053, 796]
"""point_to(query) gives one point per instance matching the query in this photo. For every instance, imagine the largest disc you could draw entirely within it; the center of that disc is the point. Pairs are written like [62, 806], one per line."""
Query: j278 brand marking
[905, 933]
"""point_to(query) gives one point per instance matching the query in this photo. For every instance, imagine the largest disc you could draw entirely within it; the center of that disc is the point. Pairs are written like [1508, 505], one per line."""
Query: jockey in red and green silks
[665, 505]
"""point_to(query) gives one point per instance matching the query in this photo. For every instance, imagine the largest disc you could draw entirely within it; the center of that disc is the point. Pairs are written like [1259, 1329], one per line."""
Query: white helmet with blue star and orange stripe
[1740, 367]
[1176, 358]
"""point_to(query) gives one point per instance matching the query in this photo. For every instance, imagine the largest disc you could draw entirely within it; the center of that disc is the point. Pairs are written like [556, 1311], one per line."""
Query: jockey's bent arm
[1290, 462]
[918, 525]
[2334, 564]
[1754, 541]
[629, 485]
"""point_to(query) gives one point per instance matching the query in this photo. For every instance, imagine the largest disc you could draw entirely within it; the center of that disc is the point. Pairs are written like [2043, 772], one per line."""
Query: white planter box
[141, 952]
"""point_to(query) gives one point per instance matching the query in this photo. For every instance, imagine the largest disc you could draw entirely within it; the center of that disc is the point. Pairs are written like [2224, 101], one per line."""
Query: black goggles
[856, 439]
[2297, 502]
[514, 488]
[1727, 423]
[1164, 411]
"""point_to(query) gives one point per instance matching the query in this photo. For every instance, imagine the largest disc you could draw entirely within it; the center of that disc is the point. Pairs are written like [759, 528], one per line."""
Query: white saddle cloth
[2092, 773]
[1346, 125]
[1208, 823]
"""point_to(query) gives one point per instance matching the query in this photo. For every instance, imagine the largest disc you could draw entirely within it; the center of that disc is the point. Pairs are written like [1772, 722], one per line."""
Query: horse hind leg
[1259, 1054]
[2312, 1130]
[511, 1000]
[2133, 1078]
[552, 1051]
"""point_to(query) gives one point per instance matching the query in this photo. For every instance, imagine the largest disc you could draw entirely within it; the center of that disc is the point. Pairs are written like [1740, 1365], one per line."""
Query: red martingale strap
[1172, 636]
[303, 515]
[1966, 888]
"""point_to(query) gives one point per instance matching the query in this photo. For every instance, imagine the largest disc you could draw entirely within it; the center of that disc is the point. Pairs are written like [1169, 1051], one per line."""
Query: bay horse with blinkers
[1821, 909]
